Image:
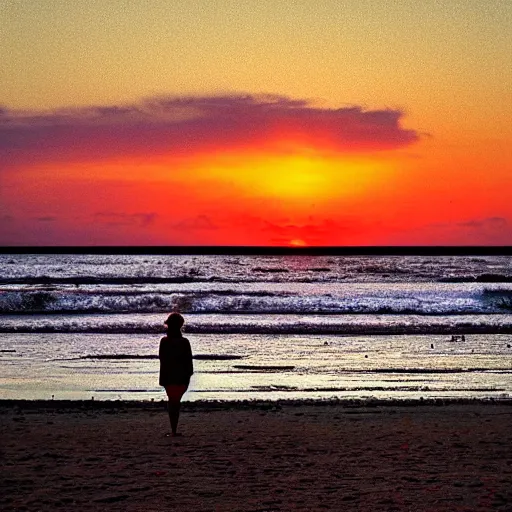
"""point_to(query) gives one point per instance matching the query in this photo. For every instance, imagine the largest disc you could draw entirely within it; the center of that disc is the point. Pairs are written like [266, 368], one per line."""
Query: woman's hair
[174, 322]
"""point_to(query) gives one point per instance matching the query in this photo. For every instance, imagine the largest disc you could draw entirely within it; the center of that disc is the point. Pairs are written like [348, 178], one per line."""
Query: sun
[297, 242]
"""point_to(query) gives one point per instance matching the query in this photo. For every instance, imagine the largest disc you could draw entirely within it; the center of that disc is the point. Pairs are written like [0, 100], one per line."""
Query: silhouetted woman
[176, 366]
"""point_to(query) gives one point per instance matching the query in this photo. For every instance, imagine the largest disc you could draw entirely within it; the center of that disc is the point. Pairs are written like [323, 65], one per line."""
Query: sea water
[261, 327]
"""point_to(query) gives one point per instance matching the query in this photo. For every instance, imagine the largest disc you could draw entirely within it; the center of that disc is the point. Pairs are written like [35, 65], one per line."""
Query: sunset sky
[255, 122]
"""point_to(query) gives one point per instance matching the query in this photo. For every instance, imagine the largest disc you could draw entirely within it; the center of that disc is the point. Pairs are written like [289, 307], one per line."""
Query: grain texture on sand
[290, 457]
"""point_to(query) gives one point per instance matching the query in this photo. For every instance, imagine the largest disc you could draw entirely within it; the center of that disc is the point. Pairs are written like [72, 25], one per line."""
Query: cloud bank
[185, 126]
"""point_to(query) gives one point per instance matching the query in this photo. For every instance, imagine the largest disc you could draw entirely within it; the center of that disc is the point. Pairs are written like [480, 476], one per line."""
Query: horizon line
[382, 250]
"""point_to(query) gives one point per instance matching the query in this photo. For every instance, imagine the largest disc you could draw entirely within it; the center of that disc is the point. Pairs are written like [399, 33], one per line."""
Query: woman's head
[174, 322]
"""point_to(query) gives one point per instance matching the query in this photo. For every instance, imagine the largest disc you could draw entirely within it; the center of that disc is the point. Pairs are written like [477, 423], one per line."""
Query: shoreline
[344, 330]
[229, 405]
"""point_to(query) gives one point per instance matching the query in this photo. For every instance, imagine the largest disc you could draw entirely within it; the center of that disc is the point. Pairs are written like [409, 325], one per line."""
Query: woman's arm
[190, 364]
[161, 349]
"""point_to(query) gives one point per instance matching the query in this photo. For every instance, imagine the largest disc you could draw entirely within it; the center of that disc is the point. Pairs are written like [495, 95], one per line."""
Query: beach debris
[274, 387]
[7, 350]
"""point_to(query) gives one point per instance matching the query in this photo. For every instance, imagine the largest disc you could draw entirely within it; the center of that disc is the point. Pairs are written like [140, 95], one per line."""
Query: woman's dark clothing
[175, 357]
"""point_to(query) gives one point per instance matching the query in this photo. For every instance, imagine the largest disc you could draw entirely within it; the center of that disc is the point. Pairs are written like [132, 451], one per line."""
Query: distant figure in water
[176, 366]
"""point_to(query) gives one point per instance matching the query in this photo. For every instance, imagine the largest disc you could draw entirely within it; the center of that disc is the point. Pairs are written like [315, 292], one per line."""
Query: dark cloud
[47, 218]
[312, 229]
[190, 125]
[480, 231]
[200, 222]
[125, 219]
[487, 223]
[311, 232]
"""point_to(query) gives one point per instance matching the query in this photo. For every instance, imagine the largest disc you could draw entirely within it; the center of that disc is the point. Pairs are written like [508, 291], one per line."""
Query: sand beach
[259, 456]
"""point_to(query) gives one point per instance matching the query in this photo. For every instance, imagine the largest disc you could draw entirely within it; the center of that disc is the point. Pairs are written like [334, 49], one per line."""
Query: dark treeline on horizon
[269, 250]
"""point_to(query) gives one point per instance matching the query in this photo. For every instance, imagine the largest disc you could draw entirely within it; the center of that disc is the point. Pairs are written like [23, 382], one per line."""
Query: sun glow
[292, 178]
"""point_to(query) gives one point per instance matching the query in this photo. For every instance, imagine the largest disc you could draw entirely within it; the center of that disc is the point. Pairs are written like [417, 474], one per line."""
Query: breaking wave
[264, 324]
[419, 300]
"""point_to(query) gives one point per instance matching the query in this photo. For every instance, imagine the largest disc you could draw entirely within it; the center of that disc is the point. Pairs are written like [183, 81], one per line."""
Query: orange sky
[353, 127]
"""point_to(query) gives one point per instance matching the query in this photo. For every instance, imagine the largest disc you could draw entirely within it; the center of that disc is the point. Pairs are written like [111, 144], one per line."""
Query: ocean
[82, 326]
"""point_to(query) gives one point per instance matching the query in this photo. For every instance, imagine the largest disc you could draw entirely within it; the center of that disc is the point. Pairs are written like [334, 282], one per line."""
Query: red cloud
[191, 125]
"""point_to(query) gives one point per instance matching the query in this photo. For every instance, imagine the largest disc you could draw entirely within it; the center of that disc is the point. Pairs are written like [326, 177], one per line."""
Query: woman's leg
[174, 415]
[175, 393]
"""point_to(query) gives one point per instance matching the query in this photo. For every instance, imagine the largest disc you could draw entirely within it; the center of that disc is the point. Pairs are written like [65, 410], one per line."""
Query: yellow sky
[447, 63]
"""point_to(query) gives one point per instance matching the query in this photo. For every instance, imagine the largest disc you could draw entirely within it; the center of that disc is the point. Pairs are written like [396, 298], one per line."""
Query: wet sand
[339, 456]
